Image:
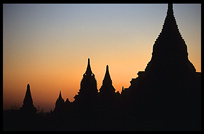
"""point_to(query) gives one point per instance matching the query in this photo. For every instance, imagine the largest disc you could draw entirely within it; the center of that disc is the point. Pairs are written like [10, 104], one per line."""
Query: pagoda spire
[170, 50]
[28, 98]
[88, 91]
[170, 24]
[88, 69]
[107, 78]
[28, 106]
[107, 91]
[60, 95]
[59, 104]
[107, 83]
[170, 9]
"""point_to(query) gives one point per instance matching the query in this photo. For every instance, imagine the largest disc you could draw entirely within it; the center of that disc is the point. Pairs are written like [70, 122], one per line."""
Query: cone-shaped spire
[170, 9]
[107, 91]
[88, 69]
[107, 78]
[107, 83]
[28, 86]
[59, 104]
[28, 98]
[60, 96]
[170, 21]
[28, 106]
[170, 51]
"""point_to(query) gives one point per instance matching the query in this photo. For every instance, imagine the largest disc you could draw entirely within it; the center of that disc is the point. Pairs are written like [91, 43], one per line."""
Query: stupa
[28, 107]
[87, 95]
[107, 91]
[170, 88]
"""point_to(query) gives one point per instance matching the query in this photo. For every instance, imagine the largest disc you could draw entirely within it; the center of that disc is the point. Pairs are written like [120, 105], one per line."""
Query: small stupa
[28, 106]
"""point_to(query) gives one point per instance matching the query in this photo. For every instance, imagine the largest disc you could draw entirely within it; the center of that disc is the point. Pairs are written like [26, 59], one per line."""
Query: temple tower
[170, 84]
[87, 95]
[169, 54]
[28, 107]
[107, 91]
[60, 104]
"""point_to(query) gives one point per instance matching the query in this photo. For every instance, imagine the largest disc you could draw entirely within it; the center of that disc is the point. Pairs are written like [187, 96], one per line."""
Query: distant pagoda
[107, 91]
[87, 95]
[60, 104]
[28, 106]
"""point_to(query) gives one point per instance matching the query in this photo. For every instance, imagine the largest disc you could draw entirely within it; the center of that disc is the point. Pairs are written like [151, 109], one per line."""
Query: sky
[48, 46]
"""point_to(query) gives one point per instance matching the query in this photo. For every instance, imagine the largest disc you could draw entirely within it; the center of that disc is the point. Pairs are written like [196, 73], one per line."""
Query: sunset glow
[48, 45]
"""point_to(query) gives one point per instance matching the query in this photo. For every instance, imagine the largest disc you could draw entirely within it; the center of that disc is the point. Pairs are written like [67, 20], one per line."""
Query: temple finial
[88, 61]
[170, 5]
[60, 95]
[170, 9]
[28, 86]
[107, 88]
[107, 76]
[28, 106]
[88, 69]
[28, 97]
[107, 69]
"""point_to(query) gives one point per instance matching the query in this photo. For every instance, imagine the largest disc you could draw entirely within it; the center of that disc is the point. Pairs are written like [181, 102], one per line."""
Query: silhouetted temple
[87, 95]
[166, 96]
[107, 91]
[169, 88]
[169, 51]
[28, 106]
[59, 105]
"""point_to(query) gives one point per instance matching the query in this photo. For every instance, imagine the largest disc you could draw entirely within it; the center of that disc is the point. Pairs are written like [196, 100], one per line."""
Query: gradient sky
[48, 45]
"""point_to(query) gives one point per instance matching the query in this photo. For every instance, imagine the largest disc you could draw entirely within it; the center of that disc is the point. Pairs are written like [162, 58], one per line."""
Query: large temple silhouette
[166, 96]
[169, 88]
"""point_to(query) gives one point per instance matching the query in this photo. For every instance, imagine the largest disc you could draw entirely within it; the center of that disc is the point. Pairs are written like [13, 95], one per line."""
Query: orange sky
[48, 46]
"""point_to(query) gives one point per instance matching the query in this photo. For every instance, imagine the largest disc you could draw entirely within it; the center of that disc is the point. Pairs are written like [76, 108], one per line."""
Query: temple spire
[88, 69]
[107, 91]
[107, 78]
[170, 9]
[60, 95]
[170, 21]
[107, 83]
[87, 95]
[28, 97]
[59, 105]
[28, 106]
[170, 50]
